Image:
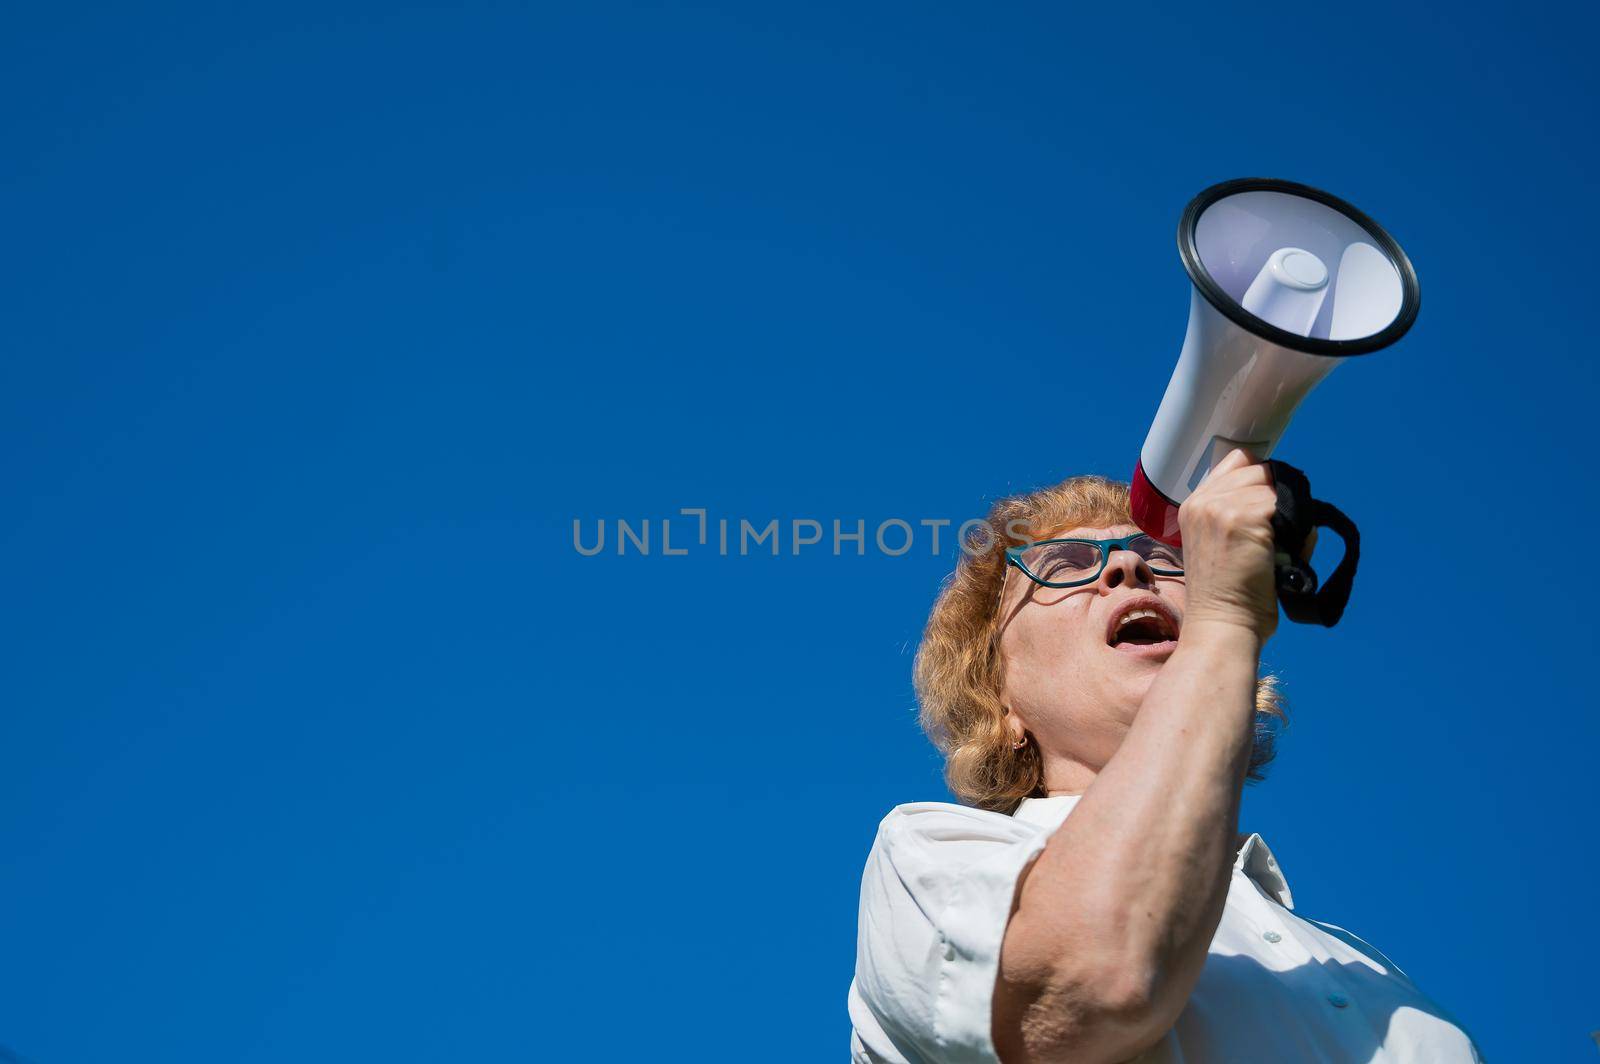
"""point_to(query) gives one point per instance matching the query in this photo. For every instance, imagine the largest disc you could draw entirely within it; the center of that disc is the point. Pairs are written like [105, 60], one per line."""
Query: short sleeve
[935, 898]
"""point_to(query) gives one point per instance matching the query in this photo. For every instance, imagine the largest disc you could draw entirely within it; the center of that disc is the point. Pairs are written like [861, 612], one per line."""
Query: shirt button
[1272, 936]
[949, 950]
[1338, 1001]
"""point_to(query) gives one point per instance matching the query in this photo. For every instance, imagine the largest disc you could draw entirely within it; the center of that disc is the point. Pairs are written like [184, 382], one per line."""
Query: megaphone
[1288, 281]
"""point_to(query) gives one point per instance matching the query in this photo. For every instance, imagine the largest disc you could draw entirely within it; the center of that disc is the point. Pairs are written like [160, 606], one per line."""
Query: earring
[1020, 743]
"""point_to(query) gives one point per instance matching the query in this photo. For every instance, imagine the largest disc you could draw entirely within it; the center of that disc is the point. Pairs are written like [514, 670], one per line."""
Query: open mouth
[1143, 627]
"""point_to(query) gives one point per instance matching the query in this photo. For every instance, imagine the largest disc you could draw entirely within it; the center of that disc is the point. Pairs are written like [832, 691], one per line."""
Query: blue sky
[326, 321]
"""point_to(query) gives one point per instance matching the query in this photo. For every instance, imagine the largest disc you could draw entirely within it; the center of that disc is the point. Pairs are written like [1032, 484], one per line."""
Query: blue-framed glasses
[1073, 562]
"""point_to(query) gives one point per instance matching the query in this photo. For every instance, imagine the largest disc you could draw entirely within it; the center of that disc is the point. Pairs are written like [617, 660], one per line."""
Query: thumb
[1234, 459]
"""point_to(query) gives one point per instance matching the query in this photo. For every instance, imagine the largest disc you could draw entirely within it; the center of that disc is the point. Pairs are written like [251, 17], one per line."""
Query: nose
[1125, 569]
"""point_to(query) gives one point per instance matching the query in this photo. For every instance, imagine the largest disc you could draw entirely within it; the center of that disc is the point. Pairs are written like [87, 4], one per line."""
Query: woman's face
[1077, 665]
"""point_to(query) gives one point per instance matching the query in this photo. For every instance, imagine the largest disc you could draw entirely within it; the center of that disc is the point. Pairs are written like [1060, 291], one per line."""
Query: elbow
[1126, 994]
[1085, 1012]
[1126, 1008]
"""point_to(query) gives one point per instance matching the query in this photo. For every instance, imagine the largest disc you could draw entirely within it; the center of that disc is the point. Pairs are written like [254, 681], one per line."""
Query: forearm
[1124, 899]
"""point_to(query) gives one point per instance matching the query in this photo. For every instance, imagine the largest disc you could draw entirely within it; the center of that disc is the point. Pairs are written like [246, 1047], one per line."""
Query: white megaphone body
[1288, 282]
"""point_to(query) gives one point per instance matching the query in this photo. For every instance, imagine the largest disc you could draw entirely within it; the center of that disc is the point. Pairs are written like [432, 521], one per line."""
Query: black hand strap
[1298, 513]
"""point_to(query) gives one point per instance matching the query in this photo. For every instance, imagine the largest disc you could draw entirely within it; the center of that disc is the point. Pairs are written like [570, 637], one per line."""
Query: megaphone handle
[1298, 513]
[1335, 591]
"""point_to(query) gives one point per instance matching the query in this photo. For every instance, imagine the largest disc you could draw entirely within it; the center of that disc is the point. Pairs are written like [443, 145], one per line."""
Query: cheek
[1047, 639]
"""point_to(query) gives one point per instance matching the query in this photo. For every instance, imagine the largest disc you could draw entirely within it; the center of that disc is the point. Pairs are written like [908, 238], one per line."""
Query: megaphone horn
[1288, 281]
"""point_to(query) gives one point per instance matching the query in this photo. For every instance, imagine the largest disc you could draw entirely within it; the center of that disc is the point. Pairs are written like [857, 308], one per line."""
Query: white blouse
[935, 898]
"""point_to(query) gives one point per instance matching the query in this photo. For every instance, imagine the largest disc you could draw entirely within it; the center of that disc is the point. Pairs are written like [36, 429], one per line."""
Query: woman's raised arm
[1112, 921]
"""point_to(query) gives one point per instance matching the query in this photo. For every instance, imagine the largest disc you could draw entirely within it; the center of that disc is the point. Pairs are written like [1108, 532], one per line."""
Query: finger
[1243, 476]
[1230, 461]
[1236, 459]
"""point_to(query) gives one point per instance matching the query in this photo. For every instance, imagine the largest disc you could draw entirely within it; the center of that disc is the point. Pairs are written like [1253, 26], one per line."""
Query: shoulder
[946, 820]
[1360, 945]
[947, 829]
[934, 849]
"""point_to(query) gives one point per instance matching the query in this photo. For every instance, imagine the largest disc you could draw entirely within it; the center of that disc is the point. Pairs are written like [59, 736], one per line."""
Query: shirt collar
[1254, 859]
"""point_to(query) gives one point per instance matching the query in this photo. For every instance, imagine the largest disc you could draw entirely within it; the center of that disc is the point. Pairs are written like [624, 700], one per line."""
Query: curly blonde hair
[960, 671]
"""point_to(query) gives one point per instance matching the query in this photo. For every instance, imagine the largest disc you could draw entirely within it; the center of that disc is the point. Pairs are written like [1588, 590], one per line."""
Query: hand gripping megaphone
[1288, 282]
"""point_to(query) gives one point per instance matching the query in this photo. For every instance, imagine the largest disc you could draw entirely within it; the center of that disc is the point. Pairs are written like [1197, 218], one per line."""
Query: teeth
[1139, 615]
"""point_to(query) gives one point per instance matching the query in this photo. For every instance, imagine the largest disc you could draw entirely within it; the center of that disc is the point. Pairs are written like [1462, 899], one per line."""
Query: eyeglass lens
[1061, 563]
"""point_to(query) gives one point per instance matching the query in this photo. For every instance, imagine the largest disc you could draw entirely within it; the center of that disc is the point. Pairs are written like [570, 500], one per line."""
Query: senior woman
[1099, 708]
